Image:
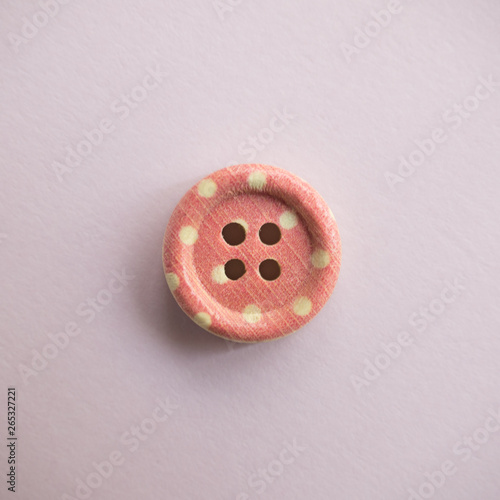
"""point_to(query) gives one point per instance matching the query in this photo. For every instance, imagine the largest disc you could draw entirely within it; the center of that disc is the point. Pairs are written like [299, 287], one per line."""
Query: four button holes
[234, 234]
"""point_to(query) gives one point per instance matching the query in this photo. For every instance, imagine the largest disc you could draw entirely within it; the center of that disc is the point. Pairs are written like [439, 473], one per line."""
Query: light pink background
[224, 76]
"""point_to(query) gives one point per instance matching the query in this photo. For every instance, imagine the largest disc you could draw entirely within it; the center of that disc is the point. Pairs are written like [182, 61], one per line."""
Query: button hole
[234, 233]
[269, 270]
[269, 233]
[234, 269]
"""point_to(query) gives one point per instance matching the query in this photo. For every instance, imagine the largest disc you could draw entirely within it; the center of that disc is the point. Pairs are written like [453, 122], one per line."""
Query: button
[251, 253]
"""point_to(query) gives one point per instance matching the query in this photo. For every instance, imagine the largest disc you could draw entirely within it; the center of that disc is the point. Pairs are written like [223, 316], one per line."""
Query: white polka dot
[203, 319]
[302, 306]
[188, 235]
[219, 275]
[172, 281]
[320, 259]
[207, 188]
[252, 314]
[288, 220]
[257, 180]
[243, 223]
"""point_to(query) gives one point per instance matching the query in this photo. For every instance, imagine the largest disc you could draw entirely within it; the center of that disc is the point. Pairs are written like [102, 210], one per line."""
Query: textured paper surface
[111, 111]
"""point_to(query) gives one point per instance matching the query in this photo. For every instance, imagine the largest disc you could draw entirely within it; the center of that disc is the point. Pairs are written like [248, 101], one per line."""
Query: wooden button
[251, 253]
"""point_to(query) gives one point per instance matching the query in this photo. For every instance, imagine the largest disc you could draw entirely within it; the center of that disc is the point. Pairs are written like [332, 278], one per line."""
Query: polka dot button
[251, 253]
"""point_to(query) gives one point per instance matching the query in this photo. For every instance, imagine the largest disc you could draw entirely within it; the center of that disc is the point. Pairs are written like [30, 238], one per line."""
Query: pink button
[251, 253]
